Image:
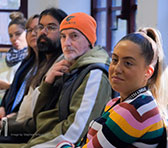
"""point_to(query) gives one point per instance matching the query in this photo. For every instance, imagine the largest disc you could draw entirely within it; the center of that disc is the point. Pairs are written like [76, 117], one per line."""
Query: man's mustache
[43, 37]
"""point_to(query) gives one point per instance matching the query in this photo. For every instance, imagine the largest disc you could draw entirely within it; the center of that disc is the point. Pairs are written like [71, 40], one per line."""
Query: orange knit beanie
[82, 22]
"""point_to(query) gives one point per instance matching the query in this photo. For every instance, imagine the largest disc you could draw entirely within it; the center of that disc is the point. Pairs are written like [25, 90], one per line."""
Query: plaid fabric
[14, 56]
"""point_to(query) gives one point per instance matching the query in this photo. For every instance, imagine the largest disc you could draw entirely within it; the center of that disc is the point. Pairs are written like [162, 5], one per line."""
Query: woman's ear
[149, 72]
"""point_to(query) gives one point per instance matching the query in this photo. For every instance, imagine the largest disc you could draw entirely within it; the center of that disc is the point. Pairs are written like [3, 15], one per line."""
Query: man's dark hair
[58, 14]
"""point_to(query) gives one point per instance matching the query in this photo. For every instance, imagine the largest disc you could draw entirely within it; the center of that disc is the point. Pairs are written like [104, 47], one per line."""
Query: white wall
[72, 6]
[69, 6]
[154, 13]
[146, 13]
[163, 23]
[37, 6]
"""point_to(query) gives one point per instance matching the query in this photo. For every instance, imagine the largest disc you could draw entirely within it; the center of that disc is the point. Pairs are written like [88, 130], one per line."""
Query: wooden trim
[108, 26]
[4, 49]
[8, 10]
[93, 8]
[131, 19]
[104, 9]
[24, 7]
[128, 8]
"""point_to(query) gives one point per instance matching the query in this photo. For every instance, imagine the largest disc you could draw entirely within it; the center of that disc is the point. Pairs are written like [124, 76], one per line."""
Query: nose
[34, 32]
[44, 31]
[67, 41]
[118, 67]
[13, 39]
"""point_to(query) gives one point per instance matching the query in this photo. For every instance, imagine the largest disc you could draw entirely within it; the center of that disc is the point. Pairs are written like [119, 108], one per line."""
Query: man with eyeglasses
[48, 32]
[49, 46]
[75, 89]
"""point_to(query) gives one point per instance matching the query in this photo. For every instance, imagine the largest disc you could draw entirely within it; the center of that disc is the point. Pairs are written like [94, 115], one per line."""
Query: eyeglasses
[48, 28]
[30, 30]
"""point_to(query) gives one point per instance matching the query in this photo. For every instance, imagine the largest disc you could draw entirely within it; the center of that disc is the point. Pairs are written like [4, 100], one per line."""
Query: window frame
[23, 8]
[130, 19]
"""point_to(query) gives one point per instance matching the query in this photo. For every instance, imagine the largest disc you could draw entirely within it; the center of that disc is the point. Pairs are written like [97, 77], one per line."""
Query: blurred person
[28, 65]
[18, 51]
[51, 50]
[75, 89]
[21, 126]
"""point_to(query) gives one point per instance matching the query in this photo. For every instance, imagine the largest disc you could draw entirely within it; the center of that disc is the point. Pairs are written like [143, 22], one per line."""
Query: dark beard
[48, 46]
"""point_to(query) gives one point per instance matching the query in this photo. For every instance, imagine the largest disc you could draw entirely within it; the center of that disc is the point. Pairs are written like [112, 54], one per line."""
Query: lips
[15, 45]
[116, 78]
[42, 40]
[34, 39]
[68, 50]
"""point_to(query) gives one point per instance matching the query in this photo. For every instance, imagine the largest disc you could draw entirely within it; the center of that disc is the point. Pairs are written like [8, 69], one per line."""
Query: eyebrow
[48, 24]
[126, 57]
[52, 24]
[31, 27]
[74, 32]
[70, 33]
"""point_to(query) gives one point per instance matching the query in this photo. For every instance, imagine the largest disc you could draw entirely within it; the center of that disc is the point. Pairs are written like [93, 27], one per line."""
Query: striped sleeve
[125, 124]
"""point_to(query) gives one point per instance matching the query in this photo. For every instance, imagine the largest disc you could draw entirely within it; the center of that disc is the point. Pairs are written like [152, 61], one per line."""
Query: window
[115, 18]
[10, 4]
[6, 7]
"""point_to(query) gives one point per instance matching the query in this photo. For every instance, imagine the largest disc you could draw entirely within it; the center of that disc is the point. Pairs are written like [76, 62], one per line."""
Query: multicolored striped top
[135, 122]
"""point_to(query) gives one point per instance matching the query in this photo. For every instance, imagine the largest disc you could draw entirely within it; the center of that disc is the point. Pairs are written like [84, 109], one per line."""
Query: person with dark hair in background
[26, 70]
[51, 47]
[21, 126]
[18, 51]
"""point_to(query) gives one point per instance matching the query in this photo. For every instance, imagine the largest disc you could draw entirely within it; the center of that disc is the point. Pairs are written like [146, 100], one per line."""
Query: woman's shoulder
[111, 102]
[145, 103]
[144, 99]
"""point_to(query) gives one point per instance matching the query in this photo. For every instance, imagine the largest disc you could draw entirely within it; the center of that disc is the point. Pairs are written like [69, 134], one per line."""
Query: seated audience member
[133, 119]
[75, 90]
[25, 71]
[49, 47]
[18, 51]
